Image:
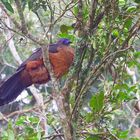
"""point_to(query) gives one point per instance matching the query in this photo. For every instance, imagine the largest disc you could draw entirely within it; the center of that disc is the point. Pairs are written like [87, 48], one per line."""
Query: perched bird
[33, 71]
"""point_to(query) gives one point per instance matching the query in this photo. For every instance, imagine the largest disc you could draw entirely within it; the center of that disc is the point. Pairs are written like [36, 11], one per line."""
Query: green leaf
[123, 134]
[121, 86]
[131, 9]
[97, 102]
[29, 130]
[85, 12]
[137, 54]
[65, 28]
[21, 121]
[115, 33]
[34, 120]
[8, 5]
[133, 89]
[89, 117]
[30, 4]
[50, 119]
[39, 135]
[75, 10]
[121, 2]
[122, 96]
[128, 23]
[69, 36]
[132, 63]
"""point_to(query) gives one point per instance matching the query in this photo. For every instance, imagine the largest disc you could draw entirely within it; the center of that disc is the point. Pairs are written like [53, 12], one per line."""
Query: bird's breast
[62, 60]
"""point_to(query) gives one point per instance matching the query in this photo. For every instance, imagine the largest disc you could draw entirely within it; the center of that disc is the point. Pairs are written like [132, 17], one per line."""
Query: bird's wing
[37, 55]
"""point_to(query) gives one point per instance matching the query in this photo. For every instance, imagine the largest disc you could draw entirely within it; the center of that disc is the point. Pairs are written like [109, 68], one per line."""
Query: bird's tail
[11, 88]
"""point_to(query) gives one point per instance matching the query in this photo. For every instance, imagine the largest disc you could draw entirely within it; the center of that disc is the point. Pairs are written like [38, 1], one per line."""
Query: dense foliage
[101, 92]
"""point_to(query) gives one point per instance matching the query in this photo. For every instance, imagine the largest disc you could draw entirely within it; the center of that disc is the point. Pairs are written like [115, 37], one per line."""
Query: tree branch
[59, 98]
[92, 13]
[21, 16]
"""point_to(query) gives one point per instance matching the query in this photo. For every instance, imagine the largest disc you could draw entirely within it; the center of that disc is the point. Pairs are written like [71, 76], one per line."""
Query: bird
[33, 70]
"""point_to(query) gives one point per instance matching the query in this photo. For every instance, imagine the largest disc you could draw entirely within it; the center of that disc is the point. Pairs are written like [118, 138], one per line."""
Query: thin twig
[20, 112]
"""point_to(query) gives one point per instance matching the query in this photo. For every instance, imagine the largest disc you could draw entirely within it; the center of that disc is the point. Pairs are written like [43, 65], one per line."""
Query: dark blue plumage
[64, 41]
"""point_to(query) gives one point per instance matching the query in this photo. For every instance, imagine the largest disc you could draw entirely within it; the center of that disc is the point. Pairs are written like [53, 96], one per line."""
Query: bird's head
[64, 41]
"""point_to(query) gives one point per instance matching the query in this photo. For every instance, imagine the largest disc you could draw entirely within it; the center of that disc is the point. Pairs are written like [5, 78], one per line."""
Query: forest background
[101, 92]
